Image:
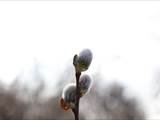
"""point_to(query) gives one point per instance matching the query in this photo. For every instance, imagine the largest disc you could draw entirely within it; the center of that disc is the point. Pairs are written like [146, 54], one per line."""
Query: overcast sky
[123, 36]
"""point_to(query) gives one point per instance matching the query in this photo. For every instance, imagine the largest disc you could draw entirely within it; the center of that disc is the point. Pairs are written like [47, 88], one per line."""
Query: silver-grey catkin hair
[69, 93]
[83, 60]
[85, 83]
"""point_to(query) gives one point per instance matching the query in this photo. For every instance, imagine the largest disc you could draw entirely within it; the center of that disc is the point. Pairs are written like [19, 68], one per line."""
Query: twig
[76, 110]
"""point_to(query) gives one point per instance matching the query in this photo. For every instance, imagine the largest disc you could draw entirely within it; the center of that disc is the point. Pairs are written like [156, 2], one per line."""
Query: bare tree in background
[111, 103]
[107, 103]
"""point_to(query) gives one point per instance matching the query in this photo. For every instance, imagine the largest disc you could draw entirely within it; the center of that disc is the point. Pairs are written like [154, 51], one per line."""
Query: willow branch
[76, 111]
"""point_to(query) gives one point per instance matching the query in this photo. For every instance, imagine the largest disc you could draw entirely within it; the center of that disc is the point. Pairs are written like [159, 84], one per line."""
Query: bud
[83, 60]
[68, 96]
[85, 84]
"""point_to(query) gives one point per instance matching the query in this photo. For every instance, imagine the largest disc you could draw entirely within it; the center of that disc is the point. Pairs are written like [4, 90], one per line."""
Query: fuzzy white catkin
[86, 55]
[85, 83]
[83, 60]
[68, 91]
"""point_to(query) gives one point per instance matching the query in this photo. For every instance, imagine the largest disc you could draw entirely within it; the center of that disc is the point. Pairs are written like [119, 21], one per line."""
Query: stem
[76, 111]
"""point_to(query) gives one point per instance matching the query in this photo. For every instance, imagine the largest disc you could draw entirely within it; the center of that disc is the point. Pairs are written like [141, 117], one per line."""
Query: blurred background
[39, 39]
